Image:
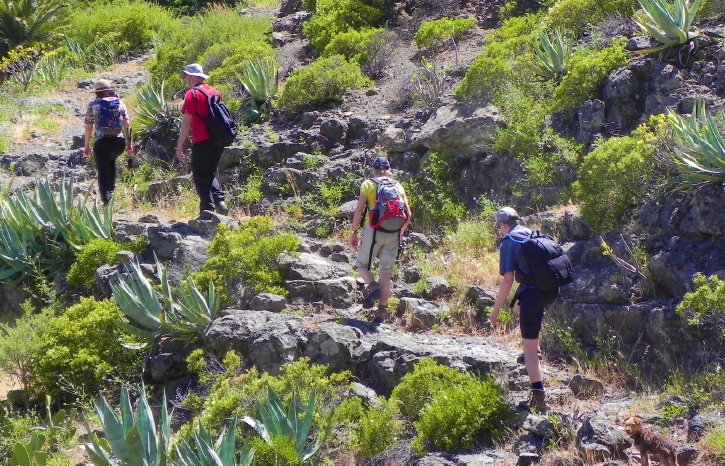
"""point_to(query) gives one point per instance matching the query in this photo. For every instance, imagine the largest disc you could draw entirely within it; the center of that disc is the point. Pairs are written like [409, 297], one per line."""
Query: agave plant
[551, 51]
[155, 118]
[51, 69]
[130, 440]
[202, 451]
[669, 23]
[182, 312]
[41, 232]
[700, 148]
[276, 421]
[26, 21]
[259, 78]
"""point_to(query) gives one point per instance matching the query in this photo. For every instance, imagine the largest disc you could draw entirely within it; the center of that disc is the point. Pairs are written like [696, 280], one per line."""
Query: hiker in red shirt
[205, 154]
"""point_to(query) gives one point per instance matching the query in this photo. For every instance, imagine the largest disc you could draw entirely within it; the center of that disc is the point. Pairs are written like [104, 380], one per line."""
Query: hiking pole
[129, 158]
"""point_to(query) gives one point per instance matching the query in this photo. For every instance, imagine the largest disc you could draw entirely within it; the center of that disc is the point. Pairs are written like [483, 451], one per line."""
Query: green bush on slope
[128, 26]
[619, 175]
[248, 253]
[333, 17]
[83, 349]
[324, 81]
[505, 58]
[575, 15]
[354, 45]
[433, 33]
[706, 304]
[587, 71]
[98, 252]
[197, 35]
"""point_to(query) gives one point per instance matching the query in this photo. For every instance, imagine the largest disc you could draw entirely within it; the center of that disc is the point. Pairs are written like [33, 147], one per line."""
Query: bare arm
[503, 292]
[362, 202]
[183, 135]
[87, 139]
[410, 215]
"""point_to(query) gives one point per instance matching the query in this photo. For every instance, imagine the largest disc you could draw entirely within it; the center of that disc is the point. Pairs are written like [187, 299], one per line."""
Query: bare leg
[385, 286]
[366, 274]
[533, 365]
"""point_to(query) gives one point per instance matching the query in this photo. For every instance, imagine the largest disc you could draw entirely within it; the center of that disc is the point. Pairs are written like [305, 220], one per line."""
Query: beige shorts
[385, 249]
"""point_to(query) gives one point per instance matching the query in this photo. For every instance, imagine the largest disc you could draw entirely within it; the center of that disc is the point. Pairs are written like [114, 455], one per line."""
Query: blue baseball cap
[381, 163]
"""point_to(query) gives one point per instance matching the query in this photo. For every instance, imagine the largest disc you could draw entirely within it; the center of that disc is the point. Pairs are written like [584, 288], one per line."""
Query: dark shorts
[532, 303]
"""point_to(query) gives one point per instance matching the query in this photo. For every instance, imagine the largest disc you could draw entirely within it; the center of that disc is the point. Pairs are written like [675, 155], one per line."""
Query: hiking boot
[221, 208]
[372, 294]
[535, 402]
[521, 360]
[380, 314]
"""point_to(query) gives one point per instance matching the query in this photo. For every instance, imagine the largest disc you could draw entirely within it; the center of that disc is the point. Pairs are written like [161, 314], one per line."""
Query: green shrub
[248, 253]
[706, 304]
[524, 112]
[197, 35]
[83, 349]
[129, 26]
[711, 8]
[322, 82]
[237, 396]
[354, 45]
[233, 65]
[433, 33]
[460, 414]
[95, 254]
[575, 15]
[20, 344]
[432, 194]
[280, 453]
[188, 7]
[419, 387]
[714, 442]
[333, 17]
[506, 58]
[619, 175]
[310, 5]
[377, 430]
[251, 191]
[15, 429]
[587, 71]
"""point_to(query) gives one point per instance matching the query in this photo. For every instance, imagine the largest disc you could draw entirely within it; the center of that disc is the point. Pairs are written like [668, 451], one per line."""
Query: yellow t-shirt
[369, 189]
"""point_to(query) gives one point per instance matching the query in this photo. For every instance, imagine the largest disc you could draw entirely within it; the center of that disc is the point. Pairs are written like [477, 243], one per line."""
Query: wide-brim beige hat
[102, 85]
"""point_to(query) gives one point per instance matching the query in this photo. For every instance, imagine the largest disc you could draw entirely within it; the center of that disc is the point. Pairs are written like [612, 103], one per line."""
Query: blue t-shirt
[510, 257]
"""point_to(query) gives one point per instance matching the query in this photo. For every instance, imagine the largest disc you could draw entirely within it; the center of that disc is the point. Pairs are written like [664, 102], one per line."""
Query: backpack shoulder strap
[514, 239]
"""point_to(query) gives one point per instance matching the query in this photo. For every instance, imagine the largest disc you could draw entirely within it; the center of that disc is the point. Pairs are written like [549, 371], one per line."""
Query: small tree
[20, 343]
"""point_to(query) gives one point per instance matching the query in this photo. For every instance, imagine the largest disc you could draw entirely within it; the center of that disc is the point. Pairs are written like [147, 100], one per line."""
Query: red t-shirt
[195, 104]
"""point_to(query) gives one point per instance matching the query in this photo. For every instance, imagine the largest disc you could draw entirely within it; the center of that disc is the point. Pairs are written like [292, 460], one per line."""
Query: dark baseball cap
[506, 214]
[381, 163]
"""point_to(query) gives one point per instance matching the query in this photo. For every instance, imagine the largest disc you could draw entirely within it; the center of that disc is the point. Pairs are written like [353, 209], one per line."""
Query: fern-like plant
[700, 148]
[669, 23]
[551, 52]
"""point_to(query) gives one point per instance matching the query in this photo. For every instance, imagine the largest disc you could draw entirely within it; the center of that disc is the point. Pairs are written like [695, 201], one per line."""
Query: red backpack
[390, 212]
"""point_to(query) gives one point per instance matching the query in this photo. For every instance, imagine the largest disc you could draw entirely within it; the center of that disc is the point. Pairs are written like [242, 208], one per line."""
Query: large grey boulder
[334, 129]
[601, 433]
[305, 266]
[437, 287]
[337, 292]
[421, 314]
[30, 164]
[394, 139]
[268, 302]
[459, 129]
[705, 217]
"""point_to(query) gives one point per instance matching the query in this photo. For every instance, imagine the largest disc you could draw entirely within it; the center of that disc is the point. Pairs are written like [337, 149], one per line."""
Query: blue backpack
[549, 266]
[222, 128]
[109, 115]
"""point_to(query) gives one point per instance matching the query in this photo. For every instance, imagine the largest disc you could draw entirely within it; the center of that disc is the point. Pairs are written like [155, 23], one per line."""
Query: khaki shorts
[385, 249]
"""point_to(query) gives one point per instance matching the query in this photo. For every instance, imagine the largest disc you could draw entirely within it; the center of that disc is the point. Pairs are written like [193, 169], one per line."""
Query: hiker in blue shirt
[528, 302]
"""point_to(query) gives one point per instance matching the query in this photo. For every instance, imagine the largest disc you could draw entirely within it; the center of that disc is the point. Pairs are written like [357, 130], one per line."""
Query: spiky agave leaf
[551, 51]
[259, 78]
[700, 148]
[669, 23]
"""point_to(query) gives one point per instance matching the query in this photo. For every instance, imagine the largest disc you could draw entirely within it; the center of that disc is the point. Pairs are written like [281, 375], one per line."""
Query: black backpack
[549, 266]
[222, 128]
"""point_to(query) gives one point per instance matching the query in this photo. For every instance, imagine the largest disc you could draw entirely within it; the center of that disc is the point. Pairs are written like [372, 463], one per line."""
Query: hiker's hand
[87, 151]
[354, 240]
[129, 150]
[493, 318]
[517, 309]
[180, 154]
